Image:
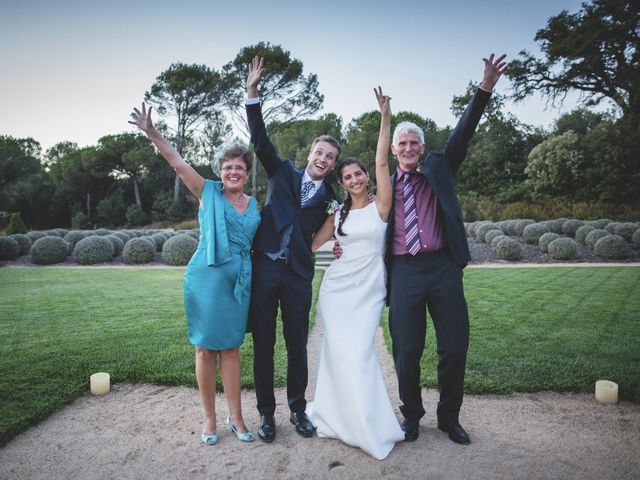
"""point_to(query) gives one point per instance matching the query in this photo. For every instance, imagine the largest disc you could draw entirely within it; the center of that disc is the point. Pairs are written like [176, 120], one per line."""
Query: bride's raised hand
[384, 101]
[142, 118]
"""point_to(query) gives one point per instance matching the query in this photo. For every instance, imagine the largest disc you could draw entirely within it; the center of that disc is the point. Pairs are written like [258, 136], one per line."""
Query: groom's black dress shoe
[267, 430]
[303, 425]
[410, 429]
[456, 432]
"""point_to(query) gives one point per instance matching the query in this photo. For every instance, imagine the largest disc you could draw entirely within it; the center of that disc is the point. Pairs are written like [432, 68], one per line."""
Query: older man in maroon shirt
[426, 252]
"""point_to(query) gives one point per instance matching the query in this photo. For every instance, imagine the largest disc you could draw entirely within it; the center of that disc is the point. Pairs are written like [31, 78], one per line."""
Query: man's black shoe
[410, 429]
[456, 432]
[267, 430]
[303, 425]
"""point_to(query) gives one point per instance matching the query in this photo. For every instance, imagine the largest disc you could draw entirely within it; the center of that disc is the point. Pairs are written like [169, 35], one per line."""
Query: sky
[73, 70]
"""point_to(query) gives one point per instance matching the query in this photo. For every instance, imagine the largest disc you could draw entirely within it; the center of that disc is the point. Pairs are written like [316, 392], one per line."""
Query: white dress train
[351, 401]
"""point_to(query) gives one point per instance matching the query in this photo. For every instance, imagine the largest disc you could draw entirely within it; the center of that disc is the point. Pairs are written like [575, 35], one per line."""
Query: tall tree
[594, 52]
[285, 92]
[191, 95]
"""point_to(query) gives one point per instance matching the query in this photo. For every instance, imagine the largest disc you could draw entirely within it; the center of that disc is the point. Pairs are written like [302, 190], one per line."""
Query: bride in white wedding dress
[351, 401]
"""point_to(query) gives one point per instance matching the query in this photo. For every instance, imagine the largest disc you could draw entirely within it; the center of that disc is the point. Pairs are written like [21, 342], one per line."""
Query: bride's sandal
[243, 437]
[209, 438]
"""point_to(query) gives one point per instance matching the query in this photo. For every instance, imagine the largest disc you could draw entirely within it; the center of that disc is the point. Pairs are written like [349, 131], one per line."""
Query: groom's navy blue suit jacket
[282, 205]
[440, 169]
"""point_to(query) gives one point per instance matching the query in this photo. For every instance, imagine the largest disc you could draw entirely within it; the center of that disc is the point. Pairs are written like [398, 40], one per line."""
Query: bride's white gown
[351, 401]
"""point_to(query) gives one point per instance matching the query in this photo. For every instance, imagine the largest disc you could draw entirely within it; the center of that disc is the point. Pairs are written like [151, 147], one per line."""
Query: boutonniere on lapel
[332, 207]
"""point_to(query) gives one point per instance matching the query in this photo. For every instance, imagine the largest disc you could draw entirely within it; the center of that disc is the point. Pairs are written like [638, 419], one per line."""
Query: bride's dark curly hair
[346, 206]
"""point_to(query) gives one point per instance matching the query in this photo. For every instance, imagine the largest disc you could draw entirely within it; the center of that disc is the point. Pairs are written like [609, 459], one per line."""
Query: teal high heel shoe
[243, 437]
[209, 439]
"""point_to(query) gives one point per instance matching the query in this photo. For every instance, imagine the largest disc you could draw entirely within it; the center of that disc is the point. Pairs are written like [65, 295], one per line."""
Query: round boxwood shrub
[125, 237]
[178, 250]
[49, 250]
[546, 239]
[473, 226]
[635, 239]
[570, 227]
[563, 249]
[495, 240]
[52, 233]
[612, 247]
[510, 226]
[601, 223]
[92, 250]
[62, 231]
[74, 236]
[626, 230]
[9, 248]
[35, 235]
[595, 235]
[582, 232]
[103, 232]
[118, 244]
[533, 232]
[24, 243]
[611, 227]
[555, 225]
[483, 229]
[522, 224]
[160, 239]
[138, 250]
[491, 234]
[509, 249]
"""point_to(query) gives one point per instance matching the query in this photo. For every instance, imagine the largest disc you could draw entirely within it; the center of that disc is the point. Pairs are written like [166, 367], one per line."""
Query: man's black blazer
[282, 205]
[440, 169]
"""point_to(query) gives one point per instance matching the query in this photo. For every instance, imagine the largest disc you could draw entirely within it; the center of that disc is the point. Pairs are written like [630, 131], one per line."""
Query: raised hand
[142, 119]
[383, 101]
[493, 70]
[256, 69]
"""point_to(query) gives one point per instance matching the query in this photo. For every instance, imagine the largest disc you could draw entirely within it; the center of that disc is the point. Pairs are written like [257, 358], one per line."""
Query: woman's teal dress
[218, 278]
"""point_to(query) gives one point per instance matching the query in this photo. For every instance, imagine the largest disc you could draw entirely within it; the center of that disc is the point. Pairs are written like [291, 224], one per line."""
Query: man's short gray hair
[407, 127]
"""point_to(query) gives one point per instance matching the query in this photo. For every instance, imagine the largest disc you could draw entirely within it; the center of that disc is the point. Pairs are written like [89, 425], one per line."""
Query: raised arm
[263, 147]
[455, 150]
[192, 179]
[383, 181]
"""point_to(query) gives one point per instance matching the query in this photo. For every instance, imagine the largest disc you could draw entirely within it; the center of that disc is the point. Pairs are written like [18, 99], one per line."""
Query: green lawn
[531, 329]
[558, 329]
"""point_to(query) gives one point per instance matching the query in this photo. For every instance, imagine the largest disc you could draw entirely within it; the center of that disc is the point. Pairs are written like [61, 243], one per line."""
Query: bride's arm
[324, 234]
[383, 182]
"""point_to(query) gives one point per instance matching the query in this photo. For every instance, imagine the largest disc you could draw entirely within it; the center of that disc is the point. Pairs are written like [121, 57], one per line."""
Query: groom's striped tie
[410, 216]
[305, 193]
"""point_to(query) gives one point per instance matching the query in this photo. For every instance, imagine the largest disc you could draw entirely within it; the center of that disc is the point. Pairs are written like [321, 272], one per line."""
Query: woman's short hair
[236, 150]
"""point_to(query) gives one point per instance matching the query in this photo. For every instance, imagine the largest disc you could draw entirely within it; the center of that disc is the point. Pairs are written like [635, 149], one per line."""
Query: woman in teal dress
[218, 278]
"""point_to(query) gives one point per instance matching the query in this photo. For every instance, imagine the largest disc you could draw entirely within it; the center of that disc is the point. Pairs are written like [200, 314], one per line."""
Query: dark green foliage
[546, 239]
[102, 232]
[136, 216]
[118, 244]
[635, 239]
[611, 227]
[16, 225]
[612, 247]
[178, 250]
[533, 232]
[52, 233]
[563, 249]
[125, 237]
[159, 240]
[521, 224]
[570, 227]
[49, 250]
[138, 250]
[80, 221]
[35, 235]
[509, 249]
[74, 236]
[24, 243]
[626, 230]
[9, 248]
[582, 232]
[93, 250]
[595, 235]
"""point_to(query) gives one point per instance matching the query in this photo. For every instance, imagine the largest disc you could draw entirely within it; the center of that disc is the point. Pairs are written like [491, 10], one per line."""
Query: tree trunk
[136, 191]
[88, 204]
[176, 189]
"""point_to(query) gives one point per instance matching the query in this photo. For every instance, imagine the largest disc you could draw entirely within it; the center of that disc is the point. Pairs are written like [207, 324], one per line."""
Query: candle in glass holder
[606, 392]
[100, 383]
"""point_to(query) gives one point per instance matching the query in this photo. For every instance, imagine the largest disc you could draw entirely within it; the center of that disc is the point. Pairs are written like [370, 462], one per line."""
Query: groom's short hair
[328, 139]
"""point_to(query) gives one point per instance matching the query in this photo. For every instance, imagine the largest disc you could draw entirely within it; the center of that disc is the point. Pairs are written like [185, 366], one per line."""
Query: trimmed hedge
[522, 224]
[601, 223]
[495, 240]
[546, 239]
[483, 229]
[626, 230]
[93, 250]
[635, 239]
[612, 247]
[9, 248]
[556, 225]
[160, 240]
[49, 250]
[563, 249]
[24, 243]
[118, 244]
[178, 250]
[491, 234]
[74, 236]
[138, 250]
[582, 232]
[509, 249]
[533, 232]
[570, 227]
[611, 227]
[35, 235]
[595, 235]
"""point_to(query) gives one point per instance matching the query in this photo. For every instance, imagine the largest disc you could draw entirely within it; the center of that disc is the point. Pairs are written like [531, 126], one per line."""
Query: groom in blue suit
[283, 267]
[426, 252]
